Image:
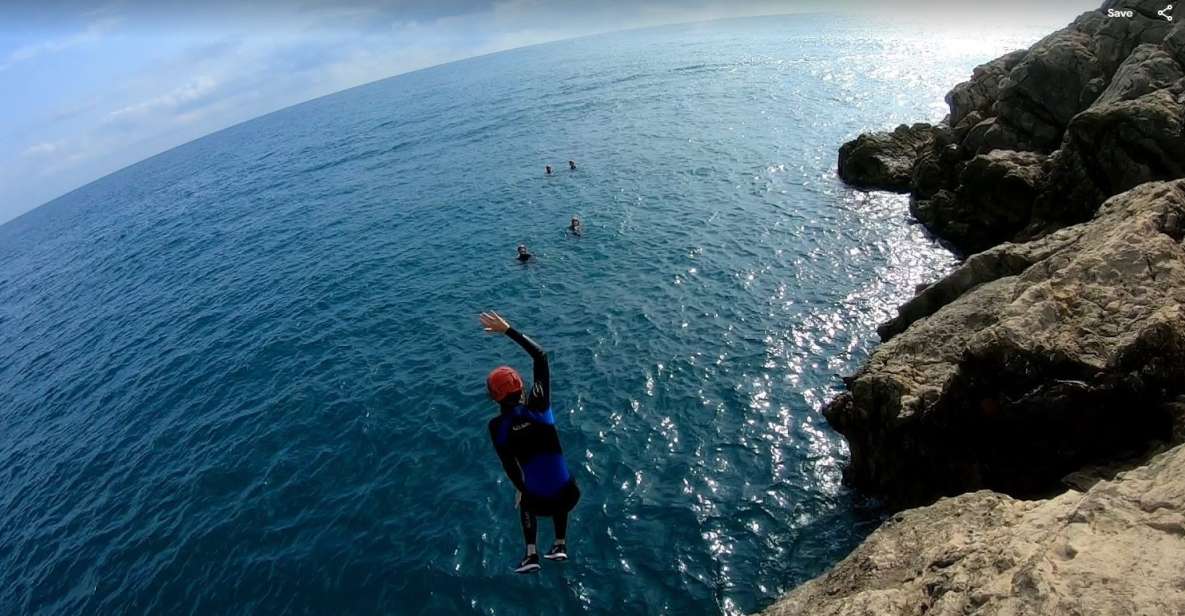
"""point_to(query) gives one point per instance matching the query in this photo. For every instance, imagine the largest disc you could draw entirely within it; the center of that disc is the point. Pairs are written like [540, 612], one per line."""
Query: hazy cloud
[104, 88]
[188, 93]
[93, 33]
[42, 149]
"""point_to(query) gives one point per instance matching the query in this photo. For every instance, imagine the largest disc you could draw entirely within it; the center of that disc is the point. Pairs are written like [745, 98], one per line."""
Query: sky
[87, 88]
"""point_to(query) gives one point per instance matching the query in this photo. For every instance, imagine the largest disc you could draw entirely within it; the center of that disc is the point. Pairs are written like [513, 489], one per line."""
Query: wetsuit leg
[530, 524]
[561, 525]
[570, 498]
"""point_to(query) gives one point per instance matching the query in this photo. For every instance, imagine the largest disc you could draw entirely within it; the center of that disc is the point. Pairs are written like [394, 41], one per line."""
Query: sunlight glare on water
[246, 375]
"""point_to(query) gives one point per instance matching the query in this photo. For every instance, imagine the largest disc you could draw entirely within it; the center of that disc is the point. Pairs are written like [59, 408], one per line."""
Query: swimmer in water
[577, 227]
[571, 165]
[523, 255]
[527, 443]
[547, 168]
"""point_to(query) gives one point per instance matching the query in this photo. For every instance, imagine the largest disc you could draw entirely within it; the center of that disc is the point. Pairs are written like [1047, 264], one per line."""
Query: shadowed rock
[1112, 40]
[1038, 364]
[1174, 43]
[1111, 147]
[978, 94]
[884, 160]
[937, 166]
[1149, 68]
[1011, 382]
[1059, 77]
[1101, 97]
[993, 200]
[1111, 549]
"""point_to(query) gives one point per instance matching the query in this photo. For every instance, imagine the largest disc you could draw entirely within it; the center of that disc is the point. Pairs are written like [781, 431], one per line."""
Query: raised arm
[540, 397]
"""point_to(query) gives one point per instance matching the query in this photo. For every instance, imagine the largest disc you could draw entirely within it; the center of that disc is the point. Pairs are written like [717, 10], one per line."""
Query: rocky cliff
[1039, 138]
[1061, 338]
[1114, 549]
[1029, 361]
[1057, 347]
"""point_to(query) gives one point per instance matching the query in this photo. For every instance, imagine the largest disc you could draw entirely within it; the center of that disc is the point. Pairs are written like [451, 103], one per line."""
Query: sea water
[246, 375]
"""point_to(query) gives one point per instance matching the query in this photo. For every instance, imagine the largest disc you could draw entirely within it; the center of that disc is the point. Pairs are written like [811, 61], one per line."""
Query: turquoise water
[247, 375]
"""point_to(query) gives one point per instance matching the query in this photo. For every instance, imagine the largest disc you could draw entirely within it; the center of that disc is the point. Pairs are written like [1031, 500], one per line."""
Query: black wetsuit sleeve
[540, 397]
[509, 464]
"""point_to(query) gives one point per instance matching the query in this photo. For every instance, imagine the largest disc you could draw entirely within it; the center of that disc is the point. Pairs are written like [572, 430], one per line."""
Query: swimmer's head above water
[547, 168]
[572, 165]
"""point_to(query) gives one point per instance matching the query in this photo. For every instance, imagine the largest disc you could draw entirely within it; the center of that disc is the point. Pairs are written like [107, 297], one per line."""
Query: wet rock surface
[992, 199]
[1112, 549]
[1027, 362]
[1101, 102]
[1109, 148]
[884, 160]
[1050, 365]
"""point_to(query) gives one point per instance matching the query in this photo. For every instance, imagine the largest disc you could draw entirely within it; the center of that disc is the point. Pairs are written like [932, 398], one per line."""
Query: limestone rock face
[992, 202]
[1147, 69]
[1056, 350]
[1174, 43]
[1112, 40]
[998, 262]
[937, 166]
[978, 94]
[1059, 77]
[884, 160]
[1029, 361]
[1113, 146]
[1113, 550]
[1101, 100]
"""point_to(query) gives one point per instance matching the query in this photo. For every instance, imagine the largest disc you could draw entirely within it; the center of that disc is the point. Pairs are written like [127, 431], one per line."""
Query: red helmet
[504, 382]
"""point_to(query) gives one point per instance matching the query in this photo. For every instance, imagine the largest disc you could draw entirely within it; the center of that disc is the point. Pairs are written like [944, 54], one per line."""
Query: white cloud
[190, 92]
[227, 66]
[93, 33]
[45, 148]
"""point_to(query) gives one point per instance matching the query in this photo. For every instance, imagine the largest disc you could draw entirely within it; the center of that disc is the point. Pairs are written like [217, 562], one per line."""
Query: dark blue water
[246, 375]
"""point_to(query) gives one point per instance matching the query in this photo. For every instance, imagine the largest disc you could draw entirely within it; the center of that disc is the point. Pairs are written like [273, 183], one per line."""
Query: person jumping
[528, 445]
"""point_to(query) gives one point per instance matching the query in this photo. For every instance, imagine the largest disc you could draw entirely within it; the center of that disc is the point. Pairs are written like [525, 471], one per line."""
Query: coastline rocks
[991, 134]
[1147, 69]
[937, 166]
[1003, 260]
[1048, 360]
[992, 203]
[1102, 99]
[978, 94]
[1029, 362]
[1059, 77]
[1114, 548]
[1114, 39]
[1111, 147]
[1174, 43]
[884, 160]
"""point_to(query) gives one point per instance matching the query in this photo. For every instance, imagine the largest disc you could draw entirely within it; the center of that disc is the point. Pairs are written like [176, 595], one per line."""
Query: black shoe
[558, 551]
[529, 564]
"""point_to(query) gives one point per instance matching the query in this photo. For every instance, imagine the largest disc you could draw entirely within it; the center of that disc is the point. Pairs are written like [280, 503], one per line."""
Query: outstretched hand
[493, 322]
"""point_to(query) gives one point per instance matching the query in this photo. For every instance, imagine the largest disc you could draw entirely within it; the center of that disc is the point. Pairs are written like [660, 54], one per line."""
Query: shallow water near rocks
[246, 375]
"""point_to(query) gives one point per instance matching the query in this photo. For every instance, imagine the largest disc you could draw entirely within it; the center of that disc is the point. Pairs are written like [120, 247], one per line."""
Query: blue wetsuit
[528, 445]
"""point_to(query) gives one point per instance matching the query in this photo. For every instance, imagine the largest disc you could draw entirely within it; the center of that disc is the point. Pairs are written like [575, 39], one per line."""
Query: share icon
[1165, 12]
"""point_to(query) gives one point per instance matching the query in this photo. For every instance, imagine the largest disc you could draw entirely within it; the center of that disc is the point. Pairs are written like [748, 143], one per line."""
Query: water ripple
[245, 375]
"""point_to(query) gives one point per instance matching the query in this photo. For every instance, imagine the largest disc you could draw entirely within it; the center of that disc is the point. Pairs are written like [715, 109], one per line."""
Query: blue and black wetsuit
[526, 440]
